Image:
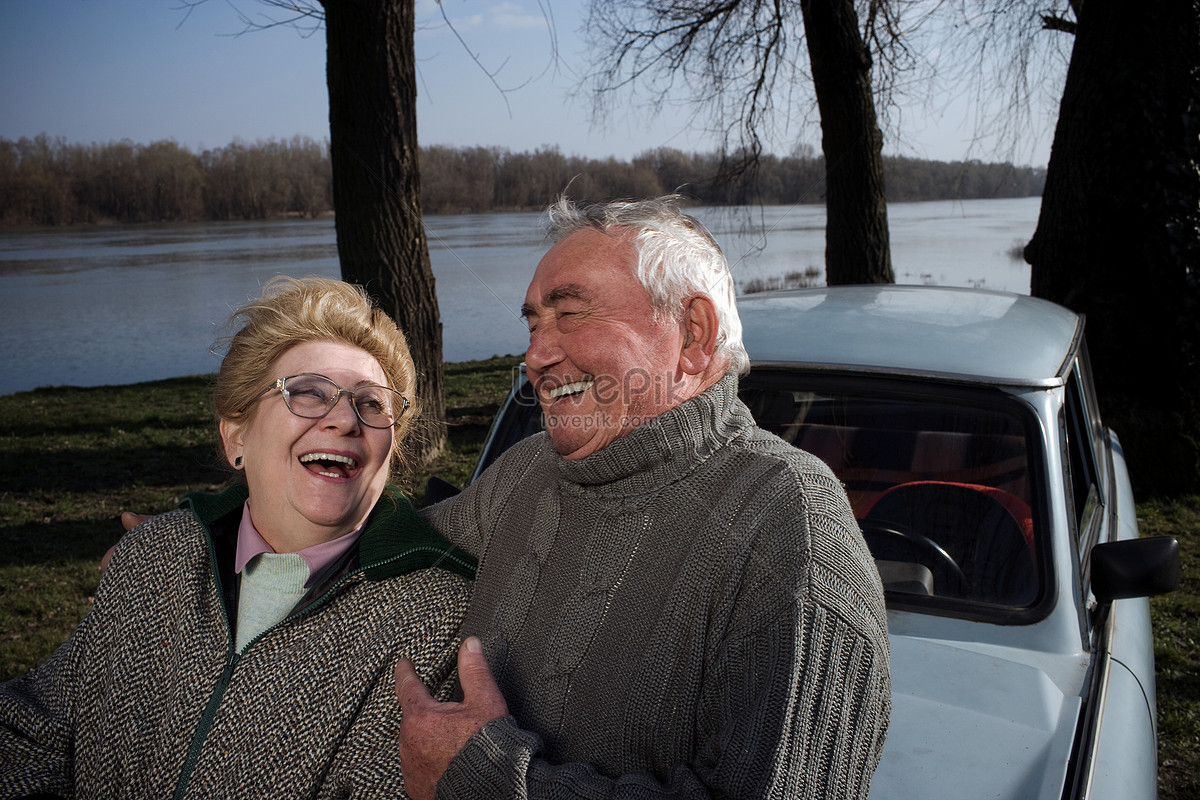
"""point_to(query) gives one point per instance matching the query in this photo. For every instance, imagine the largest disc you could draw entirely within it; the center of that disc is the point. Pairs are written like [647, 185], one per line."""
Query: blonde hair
[292, 311]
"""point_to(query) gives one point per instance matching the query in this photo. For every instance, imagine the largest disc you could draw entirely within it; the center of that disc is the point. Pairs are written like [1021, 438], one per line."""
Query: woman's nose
[343, 414]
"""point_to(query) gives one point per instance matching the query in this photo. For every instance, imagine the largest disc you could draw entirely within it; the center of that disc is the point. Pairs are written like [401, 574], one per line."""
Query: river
[130, 303]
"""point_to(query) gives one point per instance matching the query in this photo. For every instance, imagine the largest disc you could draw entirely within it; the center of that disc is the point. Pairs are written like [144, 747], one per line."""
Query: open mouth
[330, 465]
[569, 389]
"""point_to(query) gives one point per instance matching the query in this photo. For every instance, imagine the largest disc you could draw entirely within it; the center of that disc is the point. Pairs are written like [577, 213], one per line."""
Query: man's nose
[543, 350]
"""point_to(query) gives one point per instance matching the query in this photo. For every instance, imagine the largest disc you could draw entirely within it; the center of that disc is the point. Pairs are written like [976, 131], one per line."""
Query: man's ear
[700, 332]
[232, 439]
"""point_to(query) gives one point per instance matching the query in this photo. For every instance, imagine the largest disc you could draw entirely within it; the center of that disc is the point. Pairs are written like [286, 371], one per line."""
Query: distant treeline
[48, 181]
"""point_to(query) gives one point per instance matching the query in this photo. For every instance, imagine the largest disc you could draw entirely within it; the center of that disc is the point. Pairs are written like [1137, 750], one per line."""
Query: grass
[1176, 618]
[73, 459]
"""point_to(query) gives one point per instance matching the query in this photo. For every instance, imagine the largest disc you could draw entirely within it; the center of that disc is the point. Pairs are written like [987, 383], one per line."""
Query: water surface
[123, 304]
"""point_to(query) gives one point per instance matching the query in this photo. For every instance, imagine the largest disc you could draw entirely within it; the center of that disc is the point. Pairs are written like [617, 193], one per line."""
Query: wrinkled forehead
[584, 265]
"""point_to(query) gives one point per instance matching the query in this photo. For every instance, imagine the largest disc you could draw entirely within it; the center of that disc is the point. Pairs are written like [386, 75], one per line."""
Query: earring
[237, 462]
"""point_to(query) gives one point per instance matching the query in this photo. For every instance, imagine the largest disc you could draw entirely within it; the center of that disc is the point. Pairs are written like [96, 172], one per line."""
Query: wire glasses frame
[313, 396]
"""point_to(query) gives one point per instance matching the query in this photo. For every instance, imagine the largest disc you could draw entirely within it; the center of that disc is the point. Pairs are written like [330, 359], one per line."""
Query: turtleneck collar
[664, 449]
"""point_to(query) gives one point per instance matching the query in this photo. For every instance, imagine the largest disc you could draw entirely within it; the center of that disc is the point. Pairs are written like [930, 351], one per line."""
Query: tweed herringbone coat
[149, 699]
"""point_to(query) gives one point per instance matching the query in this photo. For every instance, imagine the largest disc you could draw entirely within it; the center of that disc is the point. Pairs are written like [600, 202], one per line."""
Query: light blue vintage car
[965, 428]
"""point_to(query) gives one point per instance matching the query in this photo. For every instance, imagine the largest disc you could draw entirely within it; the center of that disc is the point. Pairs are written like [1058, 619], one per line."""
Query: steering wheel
[887, 539]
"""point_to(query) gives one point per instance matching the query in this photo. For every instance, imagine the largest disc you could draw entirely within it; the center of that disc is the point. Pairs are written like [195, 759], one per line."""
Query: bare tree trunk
[1118, 237]
[857, 246]
[381, 242]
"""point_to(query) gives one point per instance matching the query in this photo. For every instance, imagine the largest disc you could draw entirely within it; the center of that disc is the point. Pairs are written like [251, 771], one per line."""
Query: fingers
[130, 520]
[475, 676]
[432, 733]
[420, 739]
[410, 691]
[107, 557]
[481, 695]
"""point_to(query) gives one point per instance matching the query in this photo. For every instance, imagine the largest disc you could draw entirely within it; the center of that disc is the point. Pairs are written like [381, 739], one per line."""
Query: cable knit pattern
[690, 612]
[149, 700]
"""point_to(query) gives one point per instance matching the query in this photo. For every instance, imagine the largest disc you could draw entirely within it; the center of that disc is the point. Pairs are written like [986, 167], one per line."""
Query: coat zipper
[234, 657]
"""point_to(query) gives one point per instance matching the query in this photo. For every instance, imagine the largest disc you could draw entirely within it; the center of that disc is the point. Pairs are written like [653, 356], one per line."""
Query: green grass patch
[1176, 618]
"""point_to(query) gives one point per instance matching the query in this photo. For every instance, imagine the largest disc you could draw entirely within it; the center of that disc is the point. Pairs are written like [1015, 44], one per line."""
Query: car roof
[970, 335]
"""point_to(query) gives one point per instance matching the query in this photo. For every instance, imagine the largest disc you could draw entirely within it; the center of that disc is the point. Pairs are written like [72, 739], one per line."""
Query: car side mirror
[1135, 568]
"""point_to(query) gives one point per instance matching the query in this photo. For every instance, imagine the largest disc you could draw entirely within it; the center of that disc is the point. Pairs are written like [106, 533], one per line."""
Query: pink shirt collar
[250, 544]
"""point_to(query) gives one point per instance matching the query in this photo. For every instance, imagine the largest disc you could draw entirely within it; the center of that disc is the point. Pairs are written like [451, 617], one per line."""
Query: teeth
[570, 388]
[305, 459]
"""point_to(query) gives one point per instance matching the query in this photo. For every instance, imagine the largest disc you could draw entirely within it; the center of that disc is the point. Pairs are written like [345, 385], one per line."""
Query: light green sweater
[690, 612]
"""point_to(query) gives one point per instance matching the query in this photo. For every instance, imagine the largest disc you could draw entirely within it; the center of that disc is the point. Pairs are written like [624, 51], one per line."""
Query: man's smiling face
[600, 362]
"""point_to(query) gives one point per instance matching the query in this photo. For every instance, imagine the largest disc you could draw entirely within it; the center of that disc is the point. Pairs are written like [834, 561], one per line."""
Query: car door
[1116, 748]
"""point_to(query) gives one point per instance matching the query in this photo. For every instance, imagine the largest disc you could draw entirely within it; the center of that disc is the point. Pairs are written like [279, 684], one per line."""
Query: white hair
[677, 258]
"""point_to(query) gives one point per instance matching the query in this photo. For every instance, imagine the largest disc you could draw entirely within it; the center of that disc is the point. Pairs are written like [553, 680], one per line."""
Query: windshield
[938, 479]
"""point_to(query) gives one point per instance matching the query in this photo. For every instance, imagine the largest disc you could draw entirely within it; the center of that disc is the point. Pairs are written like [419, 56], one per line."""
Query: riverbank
[74, 458]
[54, 182]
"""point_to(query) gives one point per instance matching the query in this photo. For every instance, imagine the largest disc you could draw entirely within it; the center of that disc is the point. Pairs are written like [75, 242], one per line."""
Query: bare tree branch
[714, 57]
[732, 62]
[306, 17]
[493, 74]
[1054, 22]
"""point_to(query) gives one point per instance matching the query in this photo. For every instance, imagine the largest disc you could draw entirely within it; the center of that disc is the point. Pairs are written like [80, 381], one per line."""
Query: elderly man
[672, 601]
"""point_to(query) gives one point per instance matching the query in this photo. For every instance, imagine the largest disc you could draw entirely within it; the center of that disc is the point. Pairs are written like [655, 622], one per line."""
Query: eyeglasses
[313, 396]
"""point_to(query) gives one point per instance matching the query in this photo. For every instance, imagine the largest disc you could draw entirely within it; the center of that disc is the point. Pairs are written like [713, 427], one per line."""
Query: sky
[147, 70]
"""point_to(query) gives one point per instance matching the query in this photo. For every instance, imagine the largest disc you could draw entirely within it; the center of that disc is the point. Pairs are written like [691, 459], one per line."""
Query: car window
[940, 482]
[1083, 479]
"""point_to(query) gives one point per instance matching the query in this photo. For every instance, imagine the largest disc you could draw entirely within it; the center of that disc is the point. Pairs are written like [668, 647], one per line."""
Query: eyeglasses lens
[312, 396]
[375, 405]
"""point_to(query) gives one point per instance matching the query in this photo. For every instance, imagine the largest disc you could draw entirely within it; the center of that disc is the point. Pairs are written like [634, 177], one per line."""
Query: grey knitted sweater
[689, 612]
[148, 699]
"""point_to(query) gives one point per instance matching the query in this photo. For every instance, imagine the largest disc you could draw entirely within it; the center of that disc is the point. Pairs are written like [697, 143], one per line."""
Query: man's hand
[129, 521]
[431, 733]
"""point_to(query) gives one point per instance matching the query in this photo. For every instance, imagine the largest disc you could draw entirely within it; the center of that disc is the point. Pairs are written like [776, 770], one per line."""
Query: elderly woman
[243, 644]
